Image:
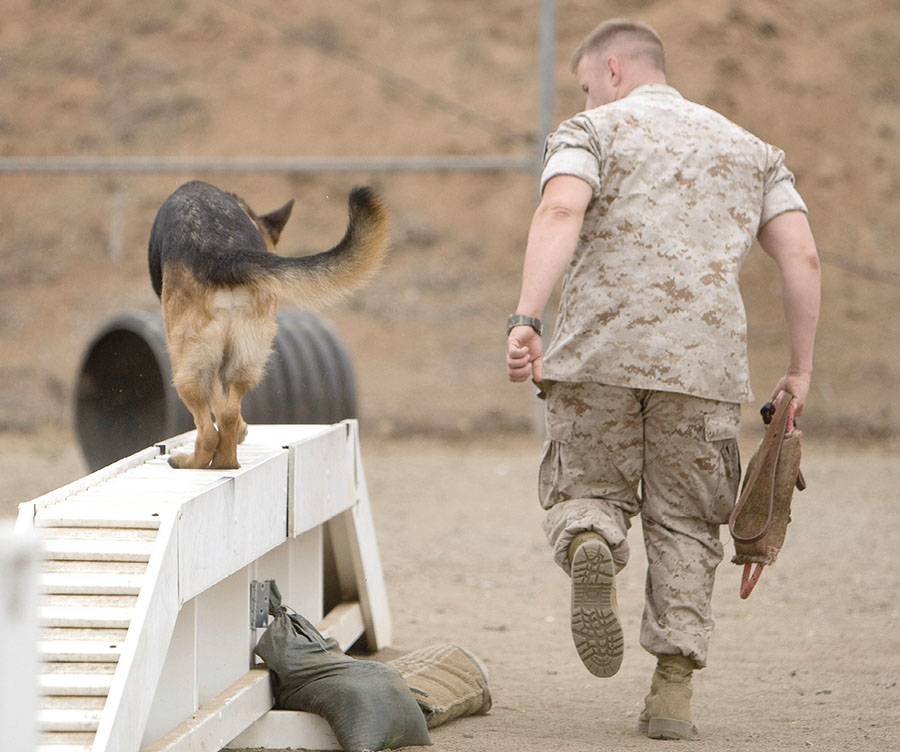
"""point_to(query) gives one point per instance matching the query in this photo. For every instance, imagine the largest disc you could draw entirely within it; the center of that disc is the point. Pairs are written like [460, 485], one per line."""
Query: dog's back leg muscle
[197, 401]
[232, 428]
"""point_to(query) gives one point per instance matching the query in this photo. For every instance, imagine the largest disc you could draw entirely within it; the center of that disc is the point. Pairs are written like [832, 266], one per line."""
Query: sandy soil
[810, 661]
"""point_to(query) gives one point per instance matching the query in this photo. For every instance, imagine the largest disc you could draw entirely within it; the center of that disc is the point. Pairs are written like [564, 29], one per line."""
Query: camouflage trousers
[612, 453]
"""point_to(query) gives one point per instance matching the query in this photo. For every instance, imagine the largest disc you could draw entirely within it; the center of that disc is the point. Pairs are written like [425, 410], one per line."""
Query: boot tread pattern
[595, 622]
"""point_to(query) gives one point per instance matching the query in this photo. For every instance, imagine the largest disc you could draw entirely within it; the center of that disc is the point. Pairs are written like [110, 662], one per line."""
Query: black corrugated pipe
[125, 401]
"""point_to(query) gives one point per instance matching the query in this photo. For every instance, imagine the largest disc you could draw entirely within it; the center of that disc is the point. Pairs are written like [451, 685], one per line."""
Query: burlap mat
[447, 681]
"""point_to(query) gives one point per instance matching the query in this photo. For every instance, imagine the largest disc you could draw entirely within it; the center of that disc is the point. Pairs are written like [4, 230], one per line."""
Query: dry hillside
[379, 77]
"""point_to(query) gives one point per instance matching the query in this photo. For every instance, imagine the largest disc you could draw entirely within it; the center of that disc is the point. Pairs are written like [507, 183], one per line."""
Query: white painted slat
[89, 481]
[98, 550]
[62, 532]
[79, 651]
[89, 583]
[69, 720]
[114, 512]
[343, 623]
[75, 685]
[64, 748]
[222, 718]
[287, 729]
[86, 617]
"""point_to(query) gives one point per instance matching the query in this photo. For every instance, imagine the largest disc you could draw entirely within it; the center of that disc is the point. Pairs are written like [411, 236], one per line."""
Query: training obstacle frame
[154, 589]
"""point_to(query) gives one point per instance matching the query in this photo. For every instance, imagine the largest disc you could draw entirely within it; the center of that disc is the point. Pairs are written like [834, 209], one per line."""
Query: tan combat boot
[596, 629]
[667, 709]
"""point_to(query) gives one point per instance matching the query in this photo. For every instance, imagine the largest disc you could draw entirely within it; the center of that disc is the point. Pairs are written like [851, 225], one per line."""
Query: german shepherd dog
[213, 266]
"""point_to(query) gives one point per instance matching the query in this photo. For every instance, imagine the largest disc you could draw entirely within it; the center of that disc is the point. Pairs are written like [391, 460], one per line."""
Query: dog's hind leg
[232, 428]
[207, 440]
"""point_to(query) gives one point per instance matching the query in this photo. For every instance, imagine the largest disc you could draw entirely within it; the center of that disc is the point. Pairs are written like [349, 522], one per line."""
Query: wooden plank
[233, 523]
[104, 533]
[359, 562]
[69, 720]
[283, 434]
[343, 623]
[88, 583]
[88, 481]
[79, 651]
[65, 742]
[222, 718]
[86, 617]
[75, 685]
[80, 512]
[222, 628]
[82, 667]
[322, 478]
[88, 601]
[71, 634]
[137, 674]
[97, 550]
[287, 729]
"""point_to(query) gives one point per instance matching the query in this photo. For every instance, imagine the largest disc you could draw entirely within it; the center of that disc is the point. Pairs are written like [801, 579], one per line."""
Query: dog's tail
[324, 277]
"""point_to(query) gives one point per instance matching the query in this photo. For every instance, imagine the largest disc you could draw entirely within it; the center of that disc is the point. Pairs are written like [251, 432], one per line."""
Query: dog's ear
[273, 222]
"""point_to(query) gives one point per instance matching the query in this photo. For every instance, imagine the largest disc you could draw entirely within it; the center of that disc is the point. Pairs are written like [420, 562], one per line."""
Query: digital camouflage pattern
[651, 297]
[612, 453]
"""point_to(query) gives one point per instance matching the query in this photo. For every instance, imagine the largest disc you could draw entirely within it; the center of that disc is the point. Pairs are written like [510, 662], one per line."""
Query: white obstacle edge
[243, 716]
[250, 699]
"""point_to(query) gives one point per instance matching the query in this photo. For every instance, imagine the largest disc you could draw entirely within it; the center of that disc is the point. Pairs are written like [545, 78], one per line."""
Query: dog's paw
[182, 462]
[176, 461]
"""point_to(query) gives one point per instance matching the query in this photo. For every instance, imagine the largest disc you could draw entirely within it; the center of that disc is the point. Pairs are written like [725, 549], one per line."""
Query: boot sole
[669, 728]
[595, 621]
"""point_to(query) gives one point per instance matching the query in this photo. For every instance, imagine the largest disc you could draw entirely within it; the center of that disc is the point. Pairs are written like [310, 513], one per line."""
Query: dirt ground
[811, 660]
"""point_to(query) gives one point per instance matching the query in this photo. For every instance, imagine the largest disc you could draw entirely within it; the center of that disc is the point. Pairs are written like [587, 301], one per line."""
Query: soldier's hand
[524, 354]
[795, 384]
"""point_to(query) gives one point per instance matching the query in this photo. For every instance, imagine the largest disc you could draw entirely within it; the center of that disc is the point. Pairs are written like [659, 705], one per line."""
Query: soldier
[649, 204]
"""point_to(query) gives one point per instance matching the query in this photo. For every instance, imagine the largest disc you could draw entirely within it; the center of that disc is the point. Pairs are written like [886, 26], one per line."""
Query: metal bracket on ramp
[259, 603]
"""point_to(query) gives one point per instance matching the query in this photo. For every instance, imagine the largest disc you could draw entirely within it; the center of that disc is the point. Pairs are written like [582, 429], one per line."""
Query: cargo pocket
[550, 474]
[721, 431]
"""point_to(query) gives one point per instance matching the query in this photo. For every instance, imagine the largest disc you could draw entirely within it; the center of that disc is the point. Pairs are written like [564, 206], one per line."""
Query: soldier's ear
[273, 222]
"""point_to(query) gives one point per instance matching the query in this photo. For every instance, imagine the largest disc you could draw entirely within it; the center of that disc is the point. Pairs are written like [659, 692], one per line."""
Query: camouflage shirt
[651, 297]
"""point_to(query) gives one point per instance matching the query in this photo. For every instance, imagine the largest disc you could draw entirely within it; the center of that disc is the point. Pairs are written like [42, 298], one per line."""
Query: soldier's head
[615, 58]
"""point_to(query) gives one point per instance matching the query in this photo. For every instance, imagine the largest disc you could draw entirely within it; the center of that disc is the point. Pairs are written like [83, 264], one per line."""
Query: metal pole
[546, 62]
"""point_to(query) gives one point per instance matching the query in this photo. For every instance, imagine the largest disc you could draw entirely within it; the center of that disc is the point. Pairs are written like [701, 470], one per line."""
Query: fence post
[19, 561]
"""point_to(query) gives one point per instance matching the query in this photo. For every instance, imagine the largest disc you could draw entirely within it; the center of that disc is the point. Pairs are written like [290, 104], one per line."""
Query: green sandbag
[367, 703]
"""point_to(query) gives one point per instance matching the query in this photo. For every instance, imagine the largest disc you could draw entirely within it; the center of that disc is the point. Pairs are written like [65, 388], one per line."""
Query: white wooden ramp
[152, 590]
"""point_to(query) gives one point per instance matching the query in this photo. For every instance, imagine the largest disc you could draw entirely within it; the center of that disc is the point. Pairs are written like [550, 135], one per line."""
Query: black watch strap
[520, 319]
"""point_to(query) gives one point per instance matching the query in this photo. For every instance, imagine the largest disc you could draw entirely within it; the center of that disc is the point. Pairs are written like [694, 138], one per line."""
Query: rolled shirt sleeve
[571, 150]
[779, 193]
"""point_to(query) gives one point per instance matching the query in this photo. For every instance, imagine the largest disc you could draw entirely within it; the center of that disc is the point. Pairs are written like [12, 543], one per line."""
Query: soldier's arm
[788, 239]
[552, 239]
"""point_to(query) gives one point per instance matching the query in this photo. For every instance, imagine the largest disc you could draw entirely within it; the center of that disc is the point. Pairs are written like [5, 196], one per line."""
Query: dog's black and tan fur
[213, 267]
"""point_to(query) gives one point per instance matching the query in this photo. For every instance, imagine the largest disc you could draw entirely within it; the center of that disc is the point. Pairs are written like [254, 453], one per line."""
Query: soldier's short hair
[642, 39]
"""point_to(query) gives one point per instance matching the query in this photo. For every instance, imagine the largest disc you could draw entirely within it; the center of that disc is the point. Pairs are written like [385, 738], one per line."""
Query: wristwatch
[520, 319]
